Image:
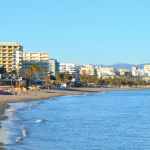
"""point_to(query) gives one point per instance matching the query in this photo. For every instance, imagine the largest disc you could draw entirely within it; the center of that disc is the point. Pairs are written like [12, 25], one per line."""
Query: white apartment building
[38, 58]
[102, 72]
[71, 68]
[11, 55]
[141, 72]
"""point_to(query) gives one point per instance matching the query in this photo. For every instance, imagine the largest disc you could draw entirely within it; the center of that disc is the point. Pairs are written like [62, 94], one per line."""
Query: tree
[30, 71]
[37, 72]
[78, 75]
[44, 69]
[70, 78]
[14, 72]
[24, 74]
[65, 76]
[61, 77]
[33, 67]
[129, 74]
[2, 70]
[73, 76]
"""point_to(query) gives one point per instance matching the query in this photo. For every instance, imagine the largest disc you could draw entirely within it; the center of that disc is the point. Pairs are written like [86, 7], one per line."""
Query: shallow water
[107, 121]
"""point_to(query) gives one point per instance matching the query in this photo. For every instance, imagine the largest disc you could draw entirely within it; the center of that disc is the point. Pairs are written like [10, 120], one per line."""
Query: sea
[111, 120]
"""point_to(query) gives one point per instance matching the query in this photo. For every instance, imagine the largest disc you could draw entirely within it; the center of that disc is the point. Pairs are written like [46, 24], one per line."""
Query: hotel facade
[11, 55]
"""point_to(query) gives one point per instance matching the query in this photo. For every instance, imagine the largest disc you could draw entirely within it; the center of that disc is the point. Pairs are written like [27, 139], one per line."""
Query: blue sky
[80, 31]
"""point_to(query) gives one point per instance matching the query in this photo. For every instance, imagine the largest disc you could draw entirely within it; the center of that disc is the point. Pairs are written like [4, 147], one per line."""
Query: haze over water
[109, 120]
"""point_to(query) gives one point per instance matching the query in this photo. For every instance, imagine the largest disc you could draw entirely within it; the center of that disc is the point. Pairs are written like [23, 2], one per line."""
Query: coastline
[46, 94]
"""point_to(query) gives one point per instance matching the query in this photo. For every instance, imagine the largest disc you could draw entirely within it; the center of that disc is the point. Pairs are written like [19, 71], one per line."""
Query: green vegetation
[117, 81]
[91, 80]
[44, 70]
[30, 71]
[34, 69]
[2, 70]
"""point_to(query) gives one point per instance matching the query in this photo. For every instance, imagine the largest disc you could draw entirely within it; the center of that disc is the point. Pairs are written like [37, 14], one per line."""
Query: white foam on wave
[32, 105]
[40, 120]
[19, 139]
[24, 133]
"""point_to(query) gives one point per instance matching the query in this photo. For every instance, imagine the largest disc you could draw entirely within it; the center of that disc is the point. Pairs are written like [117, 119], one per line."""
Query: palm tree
[30, 71]
[70, 78]
[66, 74]
[78, 75]
[57, 76]
[62, 78]
[37, 72]
[33, 67]
[72, 75]
[44, 69]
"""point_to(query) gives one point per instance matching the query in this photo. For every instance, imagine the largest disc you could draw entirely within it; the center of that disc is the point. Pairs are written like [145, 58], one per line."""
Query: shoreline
[47, 94]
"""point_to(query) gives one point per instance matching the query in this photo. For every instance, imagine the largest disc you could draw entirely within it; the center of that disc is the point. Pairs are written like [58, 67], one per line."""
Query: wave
[33, 105]
[24, 133]
[40, 120]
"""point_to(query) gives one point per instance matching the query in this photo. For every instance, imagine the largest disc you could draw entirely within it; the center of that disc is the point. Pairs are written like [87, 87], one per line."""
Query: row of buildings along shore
[12, 57]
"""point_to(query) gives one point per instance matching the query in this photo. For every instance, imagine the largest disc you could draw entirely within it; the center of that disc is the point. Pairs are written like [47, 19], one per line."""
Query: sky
[80, 31]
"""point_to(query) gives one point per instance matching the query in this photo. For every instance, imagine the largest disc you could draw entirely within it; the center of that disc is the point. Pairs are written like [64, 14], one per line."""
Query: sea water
[112, 120]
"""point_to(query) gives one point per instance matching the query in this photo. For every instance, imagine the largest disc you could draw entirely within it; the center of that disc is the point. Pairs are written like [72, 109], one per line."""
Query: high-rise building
[11, 55]
[53, 66]
[38, 58]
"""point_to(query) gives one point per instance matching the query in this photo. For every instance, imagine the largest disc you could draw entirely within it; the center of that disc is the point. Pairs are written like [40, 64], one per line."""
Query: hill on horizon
[124, 66]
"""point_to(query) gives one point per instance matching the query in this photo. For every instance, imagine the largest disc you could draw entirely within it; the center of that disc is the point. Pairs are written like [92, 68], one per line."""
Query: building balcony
[6, 52]
[5, 56]
[6, 63]
[9, 67]
[6, 59]
[6, 48]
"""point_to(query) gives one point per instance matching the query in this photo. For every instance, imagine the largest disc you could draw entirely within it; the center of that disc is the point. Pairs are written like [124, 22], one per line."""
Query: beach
[46, 94]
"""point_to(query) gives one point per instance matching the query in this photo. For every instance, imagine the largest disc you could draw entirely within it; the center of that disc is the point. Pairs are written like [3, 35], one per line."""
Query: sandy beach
[46, 94]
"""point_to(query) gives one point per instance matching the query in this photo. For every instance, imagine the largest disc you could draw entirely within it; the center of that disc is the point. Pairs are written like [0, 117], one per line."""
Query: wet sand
[46, 94]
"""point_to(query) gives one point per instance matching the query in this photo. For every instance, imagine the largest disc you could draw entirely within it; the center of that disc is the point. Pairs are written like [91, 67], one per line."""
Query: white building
[103, 73]
[38, 58]
[141, 72]
[71, 68]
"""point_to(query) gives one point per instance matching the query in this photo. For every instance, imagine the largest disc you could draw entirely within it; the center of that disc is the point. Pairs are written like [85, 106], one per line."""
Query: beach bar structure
[17, 83]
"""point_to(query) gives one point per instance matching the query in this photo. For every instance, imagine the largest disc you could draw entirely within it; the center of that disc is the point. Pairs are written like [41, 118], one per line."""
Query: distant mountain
[125, 66]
